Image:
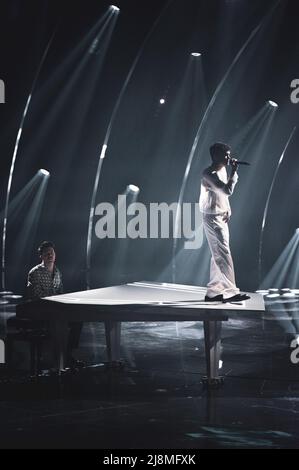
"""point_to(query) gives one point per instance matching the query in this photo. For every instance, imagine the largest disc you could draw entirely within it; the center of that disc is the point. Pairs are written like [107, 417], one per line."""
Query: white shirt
[216, 188]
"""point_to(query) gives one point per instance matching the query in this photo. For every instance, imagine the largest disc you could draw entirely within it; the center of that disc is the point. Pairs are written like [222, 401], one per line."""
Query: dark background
[150, 144]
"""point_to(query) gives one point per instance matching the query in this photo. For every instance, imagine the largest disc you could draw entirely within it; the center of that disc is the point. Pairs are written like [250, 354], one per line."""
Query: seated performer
[45, 280]
[216, 187]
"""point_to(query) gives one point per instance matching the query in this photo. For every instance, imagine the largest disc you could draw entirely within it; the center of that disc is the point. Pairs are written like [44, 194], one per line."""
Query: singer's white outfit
[216, 188]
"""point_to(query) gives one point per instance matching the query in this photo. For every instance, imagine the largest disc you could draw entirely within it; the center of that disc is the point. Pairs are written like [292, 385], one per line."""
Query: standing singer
[216, 187]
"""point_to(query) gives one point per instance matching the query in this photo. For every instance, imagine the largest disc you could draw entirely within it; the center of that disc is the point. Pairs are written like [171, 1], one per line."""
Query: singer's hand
[234, 166]
[234, 163]
[226, 217]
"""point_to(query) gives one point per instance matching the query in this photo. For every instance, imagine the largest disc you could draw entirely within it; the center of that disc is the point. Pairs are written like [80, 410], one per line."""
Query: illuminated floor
[157, 400]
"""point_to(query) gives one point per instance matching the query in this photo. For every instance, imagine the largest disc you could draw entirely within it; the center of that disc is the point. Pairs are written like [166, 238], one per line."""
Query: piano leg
[113, 333]
[212, 330]
[59, 334]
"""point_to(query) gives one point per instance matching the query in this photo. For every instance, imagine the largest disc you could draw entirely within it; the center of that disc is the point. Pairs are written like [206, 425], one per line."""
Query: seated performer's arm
[35, 289]
[60, 289]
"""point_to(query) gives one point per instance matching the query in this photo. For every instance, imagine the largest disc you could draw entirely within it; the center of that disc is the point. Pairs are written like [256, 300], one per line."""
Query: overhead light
[44, 172]
[162, 101]
[133, 189]
[114, 8]
[196, 54]
[273, 104]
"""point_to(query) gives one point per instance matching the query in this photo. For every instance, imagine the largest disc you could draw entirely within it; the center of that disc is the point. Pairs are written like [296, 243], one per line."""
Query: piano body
[140, 301]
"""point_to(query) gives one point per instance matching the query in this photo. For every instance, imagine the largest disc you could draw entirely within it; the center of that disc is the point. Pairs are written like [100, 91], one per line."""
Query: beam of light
[23, 244]
[120, 261]
[17, 203]
[191, 98]
[268, 203]
[105, 144]
[201, 129]
[76, 52]
[250, 144]
[119, 244]
[77, 76]
[15, 154]
[98, 44]
[283, 302]
[93, 55]
[190, 262]
[246, 137]
[285, 269]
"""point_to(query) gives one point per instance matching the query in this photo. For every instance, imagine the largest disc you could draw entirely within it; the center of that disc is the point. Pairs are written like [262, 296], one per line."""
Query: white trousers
[222, 274]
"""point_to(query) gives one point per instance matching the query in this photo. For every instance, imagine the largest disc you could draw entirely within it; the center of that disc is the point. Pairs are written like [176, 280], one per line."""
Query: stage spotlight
[196, 54]
[133, 189]
[273, 104]
[45, 173]
[162, 101]
[262, 292]
[273, 296]
[288, 295]
[114, 8]
[286, 290]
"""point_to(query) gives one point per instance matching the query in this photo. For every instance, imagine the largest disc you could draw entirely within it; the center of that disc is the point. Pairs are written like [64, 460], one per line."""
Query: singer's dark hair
[218, 151]
[44, 246]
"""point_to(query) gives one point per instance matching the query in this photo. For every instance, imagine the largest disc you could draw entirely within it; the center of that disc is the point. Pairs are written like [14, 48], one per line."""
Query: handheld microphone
[239, 162]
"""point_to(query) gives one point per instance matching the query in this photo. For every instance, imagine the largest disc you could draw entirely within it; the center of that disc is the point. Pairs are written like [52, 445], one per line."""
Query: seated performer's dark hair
[218, 151]
[44, 246]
